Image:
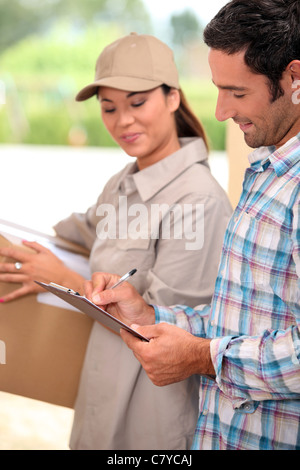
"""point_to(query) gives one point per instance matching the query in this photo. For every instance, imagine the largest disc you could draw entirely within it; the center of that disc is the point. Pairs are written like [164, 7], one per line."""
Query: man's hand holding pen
[120, 299]
[172, 354]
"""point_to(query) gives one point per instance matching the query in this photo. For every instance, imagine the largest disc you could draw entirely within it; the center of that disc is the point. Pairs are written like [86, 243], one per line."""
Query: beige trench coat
[117, 405]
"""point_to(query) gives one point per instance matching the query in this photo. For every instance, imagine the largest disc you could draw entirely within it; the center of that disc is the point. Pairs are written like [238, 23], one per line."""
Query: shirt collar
[282, 159]
[154, 178]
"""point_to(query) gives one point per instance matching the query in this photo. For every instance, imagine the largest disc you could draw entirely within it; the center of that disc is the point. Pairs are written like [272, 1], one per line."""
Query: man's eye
[239, 96]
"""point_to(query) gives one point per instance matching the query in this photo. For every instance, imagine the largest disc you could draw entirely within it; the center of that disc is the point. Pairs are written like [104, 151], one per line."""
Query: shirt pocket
[266, 260]
[139, 254]
[261, 276]
[261, 252]
[130, 244]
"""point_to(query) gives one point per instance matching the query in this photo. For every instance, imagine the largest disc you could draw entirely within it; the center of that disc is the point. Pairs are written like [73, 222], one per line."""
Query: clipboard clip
[64, 289]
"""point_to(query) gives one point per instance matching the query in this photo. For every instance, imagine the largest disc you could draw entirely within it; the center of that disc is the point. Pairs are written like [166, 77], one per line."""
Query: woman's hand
[123, 302]
[39, 264]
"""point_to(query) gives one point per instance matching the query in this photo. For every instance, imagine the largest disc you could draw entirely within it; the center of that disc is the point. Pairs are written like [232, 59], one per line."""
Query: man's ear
[294, 69]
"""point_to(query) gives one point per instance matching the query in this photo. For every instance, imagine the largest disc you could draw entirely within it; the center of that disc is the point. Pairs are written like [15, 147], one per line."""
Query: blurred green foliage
[43, 73]
[20, 18]
[186, 27]
[202, 96]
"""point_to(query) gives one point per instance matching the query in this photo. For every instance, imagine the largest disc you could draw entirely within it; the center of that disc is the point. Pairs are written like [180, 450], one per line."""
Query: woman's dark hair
[187, 123]
[267, 30]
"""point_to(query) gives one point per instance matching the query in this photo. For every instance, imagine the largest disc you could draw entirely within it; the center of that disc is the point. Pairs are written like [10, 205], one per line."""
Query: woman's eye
[109, 110]
[140, 103]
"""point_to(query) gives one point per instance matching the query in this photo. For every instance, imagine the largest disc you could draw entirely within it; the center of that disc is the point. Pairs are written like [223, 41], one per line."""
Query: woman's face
[142, 123]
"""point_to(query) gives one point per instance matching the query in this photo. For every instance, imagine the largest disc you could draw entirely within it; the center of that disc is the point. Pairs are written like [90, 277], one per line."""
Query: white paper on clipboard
[90, 309]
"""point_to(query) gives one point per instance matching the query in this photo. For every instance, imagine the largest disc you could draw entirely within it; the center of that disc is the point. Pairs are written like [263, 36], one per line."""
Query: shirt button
[205, 412]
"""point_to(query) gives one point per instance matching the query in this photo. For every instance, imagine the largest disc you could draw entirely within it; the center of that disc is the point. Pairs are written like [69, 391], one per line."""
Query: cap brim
[121, 83]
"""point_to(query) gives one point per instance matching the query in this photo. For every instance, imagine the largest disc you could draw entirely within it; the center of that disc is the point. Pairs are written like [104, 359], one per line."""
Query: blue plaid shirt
[254, 318]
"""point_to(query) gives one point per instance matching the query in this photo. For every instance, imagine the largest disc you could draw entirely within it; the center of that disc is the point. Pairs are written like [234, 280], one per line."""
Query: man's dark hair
[267, 30]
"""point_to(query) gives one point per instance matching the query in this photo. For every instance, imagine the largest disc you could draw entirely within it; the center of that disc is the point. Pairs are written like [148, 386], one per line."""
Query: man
[246, 345]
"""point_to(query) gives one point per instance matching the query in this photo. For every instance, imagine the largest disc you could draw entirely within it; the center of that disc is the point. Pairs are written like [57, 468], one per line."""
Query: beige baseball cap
[133, 63]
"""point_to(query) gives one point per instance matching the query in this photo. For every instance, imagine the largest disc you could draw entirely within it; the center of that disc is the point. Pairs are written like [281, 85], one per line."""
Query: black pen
[124, 278]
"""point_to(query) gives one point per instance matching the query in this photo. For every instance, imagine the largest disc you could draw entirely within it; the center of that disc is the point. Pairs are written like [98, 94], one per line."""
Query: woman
[163, 214]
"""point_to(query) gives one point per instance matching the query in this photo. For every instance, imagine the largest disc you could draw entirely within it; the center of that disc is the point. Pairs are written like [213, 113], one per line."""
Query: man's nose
[224, 108]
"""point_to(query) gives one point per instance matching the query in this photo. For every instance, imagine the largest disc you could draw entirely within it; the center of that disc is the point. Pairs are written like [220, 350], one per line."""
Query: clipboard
[90, 309]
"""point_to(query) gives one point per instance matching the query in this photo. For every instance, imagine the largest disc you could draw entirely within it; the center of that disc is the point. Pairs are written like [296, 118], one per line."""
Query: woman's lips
[130, 138]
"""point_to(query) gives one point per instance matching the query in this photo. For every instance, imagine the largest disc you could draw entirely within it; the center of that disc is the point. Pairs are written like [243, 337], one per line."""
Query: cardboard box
[45, 347]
